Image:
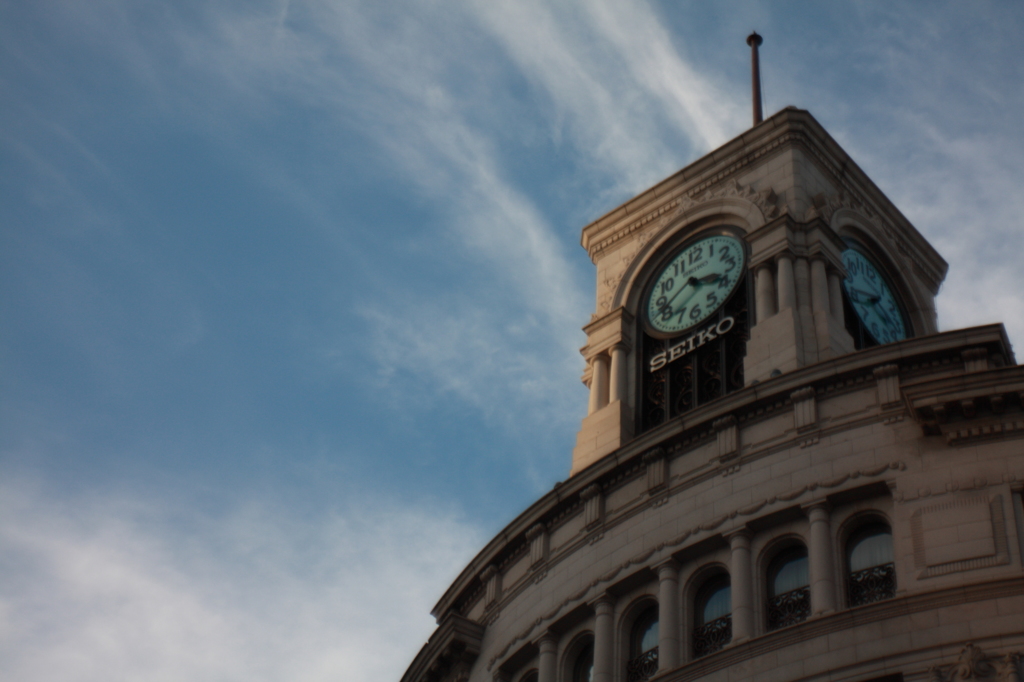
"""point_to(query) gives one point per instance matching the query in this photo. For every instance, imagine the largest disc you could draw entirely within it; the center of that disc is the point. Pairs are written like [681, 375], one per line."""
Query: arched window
[712, 616]
[789, 598]
[871, 574]
[643, 647]
[583, 670]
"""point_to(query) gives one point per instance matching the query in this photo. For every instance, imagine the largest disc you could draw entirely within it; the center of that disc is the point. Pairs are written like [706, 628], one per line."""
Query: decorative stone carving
[805, 409]
[766, 199]
[887, 379]
[616, 271]
[975, 664]
[491, 578]
[593, 506]
[657, 468]
[537, 536]
[824, 207]
[975, 359]
[1008, 668]
[728, 437]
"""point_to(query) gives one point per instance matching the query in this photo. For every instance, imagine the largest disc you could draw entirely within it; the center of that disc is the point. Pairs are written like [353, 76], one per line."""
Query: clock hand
[871, 299]
[881, 313]
[696, 284]
[692, 282]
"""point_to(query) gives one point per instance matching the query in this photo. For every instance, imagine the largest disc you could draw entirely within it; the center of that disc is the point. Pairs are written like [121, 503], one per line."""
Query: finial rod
[755, 41]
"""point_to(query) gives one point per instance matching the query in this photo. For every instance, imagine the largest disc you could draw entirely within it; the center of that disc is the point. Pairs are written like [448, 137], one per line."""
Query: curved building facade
[786, 471]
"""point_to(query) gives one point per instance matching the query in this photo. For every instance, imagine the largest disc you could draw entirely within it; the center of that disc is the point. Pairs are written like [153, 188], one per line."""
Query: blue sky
[291, 292]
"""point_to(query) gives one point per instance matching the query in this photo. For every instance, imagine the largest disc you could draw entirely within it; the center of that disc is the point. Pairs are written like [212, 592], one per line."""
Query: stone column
[617, 386]
[819, 287]
[819, 560]
[547, 666]
[598, 383]
[802, 277]
[740, 578]
[765, 292]
[604, 639]
[668, 616]
[787, 282]
[835, 297]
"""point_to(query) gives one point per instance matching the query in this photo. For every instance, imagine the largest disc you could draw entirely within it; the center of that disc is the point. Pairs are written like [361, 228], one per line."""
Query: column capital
[738, 537]
[784, 255]
[604, 603]
[667, 569]
[816, 507]
[547, 641]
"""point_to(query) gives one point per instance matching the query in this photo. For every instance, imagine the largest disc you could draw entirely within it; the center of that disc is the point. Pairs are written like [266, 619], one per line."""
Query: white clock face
[695, 284]
[872, 299]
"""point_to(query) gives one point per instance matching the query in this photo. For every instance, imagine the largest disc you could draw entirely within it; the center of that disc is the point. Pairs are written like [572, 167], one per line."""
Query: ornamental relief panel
[959, 533]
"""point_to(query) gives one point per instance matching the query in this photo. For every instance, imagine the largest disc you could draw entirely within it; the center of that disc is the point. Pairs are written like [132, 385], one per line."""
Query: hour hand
[871, 297]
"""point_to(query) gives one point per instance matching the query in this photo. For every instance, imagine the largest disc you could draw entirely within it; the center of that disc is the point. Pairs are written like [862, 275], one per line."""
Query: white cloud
[126, 588]
[611, 71]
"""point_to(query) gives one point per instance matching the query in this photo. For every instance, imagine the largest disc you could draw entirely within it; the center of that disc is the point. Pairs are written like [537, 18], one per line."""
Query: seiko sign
[689, 344]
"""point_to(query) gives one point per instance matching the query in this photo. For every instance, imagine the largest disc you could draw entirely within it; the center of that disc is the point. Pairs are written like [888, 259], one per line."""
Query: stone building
[786, 473]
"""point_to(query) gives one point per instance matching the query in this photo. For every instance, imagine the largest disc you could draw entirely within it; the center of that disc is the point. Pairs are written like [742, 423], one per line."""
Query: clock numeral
[695, 312]
[666, 313]
[667, 285]
[711, 298]
[695, 255]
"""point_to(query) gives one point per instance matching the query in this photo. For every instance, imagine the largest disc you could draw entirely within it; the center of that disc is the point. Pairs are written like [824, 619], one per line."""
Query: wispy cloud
[431, 92]
[146, 589]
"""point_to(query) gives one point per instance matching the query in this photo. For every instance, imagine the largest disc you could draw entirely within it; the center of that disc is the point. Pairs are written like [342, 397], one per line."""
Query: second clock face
[694, 284]
[872, 299]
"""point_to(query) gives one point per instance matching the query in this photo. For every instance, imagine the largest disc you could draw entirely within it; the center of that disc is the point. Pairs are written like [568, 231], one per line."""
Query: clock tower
[787, 472]
[772, 253]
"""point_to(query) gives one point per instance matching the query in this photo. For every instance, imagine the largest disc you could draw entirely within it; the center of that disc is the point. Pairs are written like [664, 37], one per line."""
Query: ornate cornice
[916, 357]
[448, 653]
[971, 407]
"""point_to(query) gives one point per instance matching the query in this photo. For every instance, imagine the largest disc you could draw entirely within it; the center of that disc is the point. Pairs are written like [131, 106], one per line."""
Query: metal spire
[754, 41]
